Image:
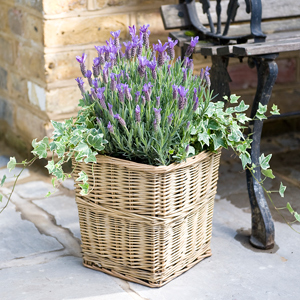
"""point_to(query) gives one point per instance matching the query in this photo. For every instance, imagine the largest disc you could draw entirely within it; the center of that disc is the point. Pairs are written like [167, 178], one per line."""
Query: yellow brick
[17, 86]
[30, 63]
[7, 51]
[33, 28]
[82, 30]
[61, 6]
[3, 18]
[29, 124]
[62, 66]
[63, 100]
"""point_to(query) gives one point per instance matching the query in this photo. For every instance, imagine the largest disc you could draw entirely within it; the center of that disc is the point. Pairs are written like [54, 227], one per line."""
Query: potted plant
[145, 148]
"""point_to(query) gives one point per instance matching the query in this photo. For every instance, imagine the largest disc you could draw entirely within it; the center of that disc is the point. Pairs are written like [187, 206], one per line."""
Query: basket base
[93, 266]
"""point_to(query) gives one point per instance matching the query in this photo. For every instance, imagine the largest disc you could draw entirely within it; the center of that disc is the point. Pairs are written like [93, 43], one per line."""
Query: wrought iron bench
[224, 25]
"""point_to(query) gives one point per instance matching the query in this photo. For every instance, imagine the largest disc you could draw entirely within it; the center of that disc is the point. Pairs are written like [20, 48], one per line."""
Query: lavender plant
[143, 105]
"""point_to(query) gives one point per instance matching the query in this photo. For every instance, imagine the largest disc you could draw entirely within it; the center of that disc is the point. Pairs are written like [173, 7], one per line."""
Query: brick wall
[39, 40]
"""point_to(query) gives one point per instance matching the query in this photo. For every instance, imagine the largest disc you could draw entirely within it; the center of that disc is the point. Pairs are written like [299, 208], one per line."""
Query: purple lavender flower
[158, 101]
[127, 92]
[132, 31]
[143, 100]
[195, 94]
[207, 79]
[142, 65]
[140, 48]
[89, 77]
[121, 121]
[187, 125]
[196, 104]
[118, 78]
[112, 58]
[105, 72]
[128, 47]
[207, 70]
[110, 109]
[121, 92]
[80, 85]
[134, 43]
[144, 28]
[202, 74]
[98, 120]
[169, 69]
[146, 39]
[170, 50]
[110, 128]
[155, 125]
[100, 95]
[170, 119]
[147, 90]
[81, 60]
[96, 66]
[187, 148]
[138, 114]
[157, 114]
[175, 91]
[113, 83]
[116, 35]
[160, 49]
[94, 95]
[152, 66]
[137, 95]
[190, 65]
[178, 60]
[95, 83]
[191, 47]
[182, 97]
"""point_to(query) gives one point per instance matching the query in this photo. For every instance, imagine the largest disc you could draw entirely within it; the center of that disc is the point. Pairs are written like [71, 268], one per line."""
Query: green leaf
[50, 166]
[297, 216]
[1, 197]
[282, 188]
[242, 118]
[275, 110]
[82, 177]
[262, 108]
[191, 151]
[264, 161]
[84, 189]
[219, 141]
[48, 194]
[3, 180]
[268, 173]
[53, 181]
[234, 98]
[242, 107]
[245, 158]
[289, 207]
[190, 33]
[59, 129]
[11, 164]
[203, 138]
[40, 148]
[95, 140]
[213, 124]
[91, 158]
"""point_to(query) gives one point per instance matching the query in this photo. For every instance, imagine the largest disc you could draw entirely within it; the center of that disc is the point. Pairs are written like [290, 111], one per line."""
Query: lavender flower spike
[158, 101]
[80, 85]
[142, 65]
[175, 91]
[113, 83]
[89, 77]
[121, 121]
[170, 119]
[120, 92]
[196, 104]
[147, 91]
[191, 47]
[138, 114]
[202, 74]
[155, 126]
[157, 114]
[144, 28]
[187, 148]
[160, 48]
[187, 125]
[195, 94]
[116, 35]
[184, 71]
[152, 65]
[137, 95]
[182, 97]
[170, 50]
[82, 60]
[96, 67]
[110, 109]
[110, 128]
[132, 31]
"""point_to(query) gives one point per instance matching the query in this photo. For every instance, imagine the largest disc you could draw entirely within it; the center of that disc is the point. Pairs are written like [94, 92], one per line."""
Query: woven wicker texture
[144, 223]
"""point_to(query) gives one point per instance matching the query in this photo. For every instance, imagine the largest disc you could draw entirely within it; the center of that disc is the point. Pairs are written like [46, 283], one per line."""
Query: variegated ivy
[144, 106]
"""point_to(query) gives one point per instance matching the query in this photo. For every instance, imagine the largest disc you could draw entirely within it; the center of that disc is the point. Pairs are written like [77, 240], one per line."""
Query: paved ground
[40, 242]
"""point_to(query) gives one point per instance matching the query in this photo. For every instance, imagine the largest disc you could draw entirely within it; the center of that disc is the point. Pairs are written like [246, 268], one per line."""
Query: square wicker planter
[147, 224]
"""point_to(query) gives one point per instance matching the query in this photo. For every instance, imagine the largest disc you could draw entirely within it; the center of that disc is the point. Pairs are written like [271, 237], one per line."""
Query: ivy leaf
[242, 118]
[219, 141]
[59, 129]
[1, 197]
[91, 158]
[53, 181]
[234, 98]
[50, 166]
[275, 110]
[203, 138]
[82, 177]
[268, 173]
[60, 149]
[3, 180]
[282, 188]
[260, 114]
[245, 158]
[40, 148]
[264, 161]
[48, 194]
[191, 151]
[289, 207]
[11, 164]
[95, 140]
[213, 124]
[297, 216]
[242, 107]
[84, 189]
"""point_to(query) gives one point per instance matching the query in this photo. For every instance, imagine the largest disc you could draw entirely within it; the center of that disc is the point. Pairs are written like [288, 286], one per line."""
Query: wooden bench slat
[272, 9]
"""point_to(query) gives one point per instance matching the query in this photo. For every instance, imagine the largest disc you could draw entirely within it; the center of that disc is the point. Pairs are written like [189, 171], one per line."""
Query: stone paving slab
[11, 176]
[20, 238]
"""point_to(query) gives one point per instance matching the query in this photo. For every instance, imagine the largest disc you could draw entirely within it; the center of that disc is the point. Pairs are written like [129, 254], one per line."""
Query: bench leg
[262, 235]
[219, 77]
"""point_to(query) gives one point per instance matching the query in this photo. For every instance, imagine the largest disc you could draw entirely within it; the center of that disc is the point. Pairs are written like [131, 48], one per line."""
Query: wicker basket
[147, 224]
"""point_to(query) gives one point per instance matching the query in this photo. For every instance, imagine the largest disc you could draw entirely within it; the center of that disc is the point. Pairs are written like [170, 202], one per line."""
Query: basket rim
[155, 169]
